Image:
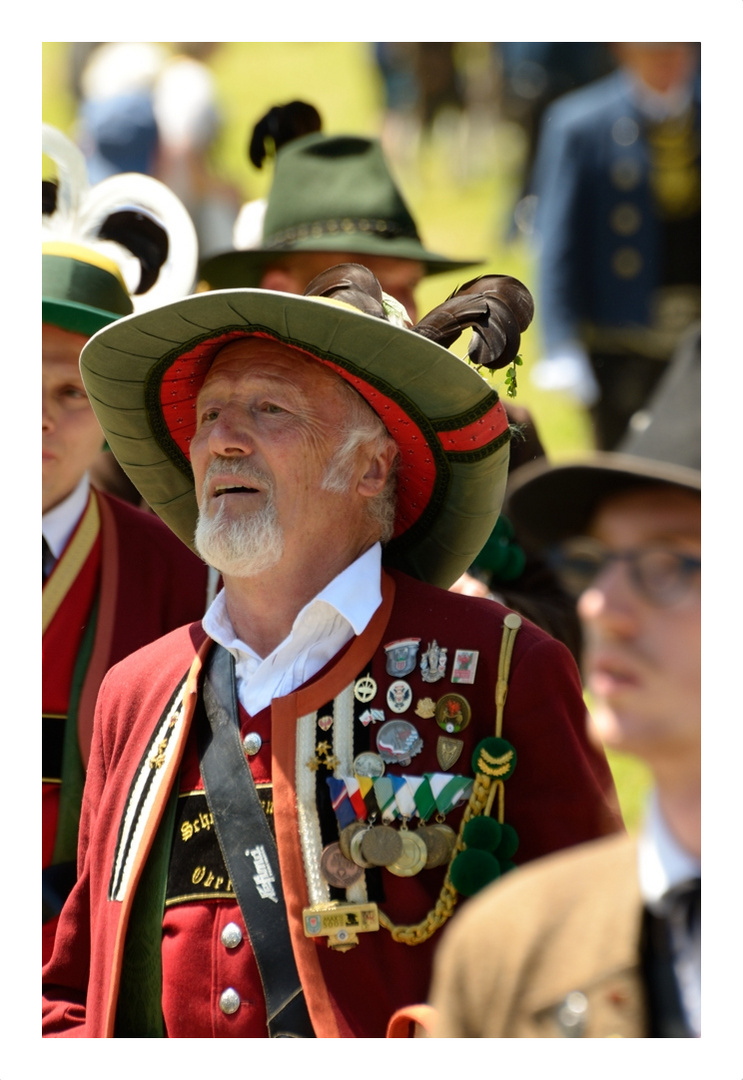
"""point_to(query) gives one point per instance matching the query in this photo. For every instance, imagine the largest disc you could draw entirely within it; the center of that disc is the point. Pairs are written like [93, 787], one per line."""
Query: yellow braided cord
[484, 790]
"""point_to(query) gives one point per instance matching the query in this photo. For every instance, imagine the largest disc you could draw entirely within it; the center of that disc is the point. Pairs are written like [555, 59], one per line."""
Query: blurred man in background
[604, 941]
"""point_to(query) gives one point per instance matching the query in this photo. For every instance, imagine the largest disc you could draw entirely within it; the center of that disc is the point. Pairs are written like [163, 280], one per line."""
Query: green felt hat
[81, 289]
[329, 193]
[143, 374]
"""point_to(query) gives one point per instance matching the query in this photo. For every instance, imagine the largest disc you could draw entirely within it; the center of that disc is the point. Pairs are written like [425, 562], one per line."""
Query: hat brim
[78, 318]
[244, 269]
[143, 373]
[549, 503]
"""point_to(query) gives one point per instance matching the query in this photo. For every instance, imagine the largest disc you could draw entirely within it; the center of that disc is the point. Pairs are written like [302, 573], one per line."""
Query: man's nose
[230, 434]
[47, 413]
[610, 599]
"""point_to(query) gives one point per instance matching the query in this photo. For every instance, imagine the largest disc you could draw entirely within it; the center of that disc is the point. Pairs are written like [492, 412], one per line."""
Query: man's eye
[271, 407]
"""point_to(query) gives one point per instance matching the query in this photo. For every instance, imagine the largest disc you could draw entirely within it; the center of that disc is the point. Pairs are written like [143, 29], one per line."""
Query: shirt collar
[59, 523]
[663, 862]
[354, 594]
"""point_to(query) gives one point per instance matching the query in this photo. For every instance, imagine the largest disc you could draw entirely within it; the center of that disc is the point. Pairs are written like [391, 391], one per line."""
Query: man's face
[398, 277]
[268, 423]
[642, 661]
[71, 436]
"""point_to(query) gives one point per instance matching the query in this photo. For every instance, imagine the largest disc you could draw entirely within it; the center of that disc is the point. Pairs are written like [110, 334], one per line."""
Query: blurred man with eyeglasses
[604, 941]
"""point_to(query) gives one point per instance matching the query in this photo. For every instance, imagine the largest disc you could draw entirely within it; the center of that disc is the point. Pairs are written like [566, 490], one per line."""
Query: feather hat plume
[123, 245]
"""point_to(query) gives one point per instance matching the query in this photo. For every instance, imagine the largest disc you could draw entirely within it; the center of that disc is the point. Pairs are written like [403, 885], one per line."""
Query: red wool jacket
[561, 793]
[145, 582]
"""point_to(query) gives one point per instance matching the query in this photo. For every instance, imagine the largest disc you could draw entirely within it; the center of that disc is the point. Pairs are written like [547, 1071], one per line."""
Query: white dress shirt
[342, 610]
[59, 523]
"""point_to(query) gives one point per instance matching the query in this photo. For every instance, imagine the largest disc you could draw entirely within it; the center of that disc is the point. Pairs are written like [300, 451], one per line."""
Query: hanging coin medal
[337, 869]
[440, 840]
[433, 663]
[453, 713]
[399, 696]
[413, 857]
[401, 656]
[348, 833]
[398, 741]
[381, 845]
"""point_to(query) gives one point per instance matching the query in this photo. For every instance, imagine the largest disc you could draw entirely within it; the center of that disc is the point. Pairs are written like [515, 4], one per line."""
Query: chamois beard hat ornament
[144, 372]
[330, 193]
[123, 245]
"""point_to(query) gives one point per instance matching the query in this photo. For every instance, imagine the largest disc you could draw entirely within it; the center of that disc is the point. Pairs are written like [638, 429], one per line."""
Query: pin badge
[398, 741]
[433, 663]
[371, 716]
[399, 696]
[453, 713]
[464, 666]
[426, 708]
[401, 656]
[448, 751]
[364, 688]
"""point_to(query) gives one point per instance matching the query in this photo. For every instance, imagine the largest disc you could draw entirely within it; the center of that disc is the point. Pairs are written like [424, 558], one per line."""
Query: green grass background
[460, 191]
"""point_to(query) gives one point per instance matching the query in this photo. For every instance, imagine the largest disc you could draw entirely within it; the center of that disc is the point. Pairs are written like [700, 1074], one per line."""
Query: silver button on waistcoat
[231, 936]
[229, 1001]
[252, 743]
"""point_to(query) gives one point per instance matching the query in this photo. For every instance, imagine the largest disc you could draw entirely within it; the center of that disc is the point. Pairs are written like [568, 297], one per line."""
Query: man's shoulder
[168, 656]
[147, 530]
[477, 614]
[589, 105]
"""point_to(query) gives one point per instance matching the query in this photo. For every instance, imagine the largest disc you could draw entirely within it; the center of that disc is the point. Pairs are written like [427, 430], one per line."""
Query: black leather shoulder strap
[249, 849]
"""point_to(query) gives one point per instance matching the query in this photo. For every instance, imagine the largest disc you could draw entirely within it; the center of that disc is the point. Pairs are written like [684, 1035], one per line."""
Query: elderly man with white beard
[281, 798]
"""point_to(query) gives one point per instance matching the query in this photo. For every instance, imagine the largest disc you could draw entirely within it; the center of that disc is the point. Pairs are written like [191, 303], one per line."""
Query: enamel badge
[401, 656]
[399, 696]
[465, 666]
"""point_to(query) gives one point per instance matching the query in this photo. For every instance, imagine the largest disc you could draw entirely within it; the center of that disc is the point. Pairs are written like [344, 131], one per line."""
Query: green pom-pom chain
[483, 833]
[472, 870]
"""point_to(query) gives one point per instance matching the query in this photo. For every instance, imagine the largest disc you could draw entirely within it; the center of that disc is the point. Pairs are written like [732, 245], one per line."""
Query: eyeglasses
[662, 577]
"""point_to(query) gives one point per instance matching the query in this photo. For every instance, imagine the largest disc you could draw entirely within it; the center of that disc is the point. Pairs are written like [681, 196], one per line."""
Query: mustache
[240, 470]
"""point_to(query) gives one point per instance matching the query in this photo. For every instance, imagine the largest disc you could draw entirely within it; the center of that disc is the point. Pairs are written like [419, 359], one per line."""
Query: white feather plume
[82, 209]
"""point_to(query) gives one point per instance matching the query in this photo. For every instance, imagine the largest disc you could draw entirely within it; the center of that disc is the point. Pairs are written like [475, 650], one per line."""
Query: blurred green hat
[329, 193]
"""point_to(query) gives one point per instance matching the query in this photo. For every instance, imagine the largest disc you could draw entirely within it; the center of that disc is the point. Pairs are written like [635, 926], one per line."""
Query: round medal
[398, 741]
[381, 845]
[337, 869]
[354, 848]
[348, 834]
[413, 858]
[453, 713]
[440, 841]
[368, 764]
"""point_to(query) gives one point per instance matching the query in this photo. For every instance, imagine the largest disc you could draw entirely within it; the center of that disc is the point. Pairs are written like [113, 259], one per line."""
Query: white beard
[240, 547]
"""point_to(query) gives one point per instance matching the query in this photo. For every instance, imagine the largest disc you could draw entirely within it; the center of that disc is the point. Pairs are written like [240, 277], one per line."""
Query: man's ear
[377, 470]
[281, 279]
